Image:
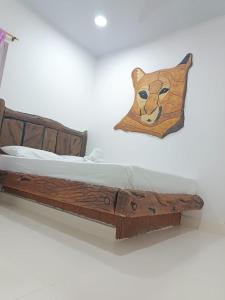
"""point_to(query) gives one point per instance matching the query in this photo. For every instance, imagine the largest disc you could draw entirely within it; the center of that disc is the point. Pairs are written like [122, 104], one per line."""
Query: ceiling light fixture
[100, 21]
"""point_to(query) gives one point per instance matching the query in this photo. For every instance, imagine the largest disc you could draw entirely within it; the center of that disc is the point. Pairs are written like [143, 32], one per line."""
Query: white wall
[196, 151]
[45, 73]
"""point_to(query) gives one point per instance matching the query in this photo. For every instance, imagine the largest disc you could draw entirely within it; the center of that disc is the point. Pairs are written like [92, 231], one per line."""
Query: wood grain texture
[63, 143]
[2, 111]
[49, 142]
[121, 208]
[137, 203]
[39, 133]
[75, 145]
[129, 227]
[158, 107]
[92, 201]
[33, 136]
[11, 132]
[39, 121]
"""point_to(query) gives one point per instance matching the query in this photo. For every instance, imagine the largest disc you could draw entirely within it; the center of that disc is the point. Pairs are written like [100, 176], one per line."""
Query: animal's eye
[143, 94]
[163, 91]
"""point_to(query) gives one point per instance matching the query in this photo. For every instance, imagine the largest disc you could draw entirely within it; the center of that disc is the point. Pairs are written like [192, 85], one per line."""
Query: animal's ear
[136, 75]
[187, 61]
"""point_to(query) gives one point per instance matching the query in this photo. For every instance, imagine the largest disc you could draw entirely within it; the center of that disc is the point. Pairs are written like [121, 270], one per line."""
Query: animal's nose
[149, 120]
[151, 105]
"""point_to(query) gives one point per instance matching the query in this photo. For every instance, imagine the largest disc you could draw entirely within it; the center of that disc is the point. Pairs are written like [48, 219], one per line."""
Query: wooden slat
[2, 110]
[71, 142]
[137, 203]
[75, 145]
[83, 144]
[63, 143]
[49, 143]
[40, 121]
[33, 136]
[11, 132]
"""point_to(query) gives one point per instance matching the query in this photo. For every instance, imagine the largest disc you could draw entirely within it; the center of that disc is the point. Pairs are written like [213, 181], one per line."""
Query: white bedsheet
[107, 174]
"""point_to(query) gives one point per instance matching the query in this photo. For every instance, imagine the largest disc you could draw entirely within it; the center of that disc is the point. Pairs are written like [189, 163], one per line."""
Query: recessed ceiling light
[100, 21]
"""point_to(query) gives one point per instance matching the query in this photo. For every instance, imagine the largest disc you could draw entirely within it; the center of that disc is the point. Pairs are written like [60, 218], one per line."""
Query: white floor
[49, 255]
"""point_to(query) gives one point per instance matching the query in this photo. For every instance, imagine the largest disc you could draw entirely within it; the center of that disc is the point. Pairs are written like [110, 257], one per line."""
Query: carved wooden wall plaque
[158, 107]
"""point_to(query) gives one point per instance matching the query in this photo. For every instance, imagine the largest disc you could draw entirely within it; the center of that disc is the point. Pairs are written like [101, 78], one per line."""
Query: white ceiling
[130, 22]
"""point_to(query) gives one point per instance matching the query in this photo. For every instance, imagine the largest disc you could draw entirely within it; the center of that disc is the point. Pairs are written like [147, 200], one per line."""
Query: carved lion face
[158, 107]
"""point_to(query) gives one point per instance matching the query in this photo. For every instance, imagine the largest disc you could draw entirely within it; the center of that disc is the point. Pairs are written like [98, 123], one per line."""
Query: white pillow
[27, 152]
[96, 155]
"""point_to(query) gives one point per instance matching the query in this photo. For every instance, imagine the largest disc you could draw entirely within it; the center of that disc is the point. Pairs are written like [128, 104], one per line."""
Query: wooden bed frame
[130, 211]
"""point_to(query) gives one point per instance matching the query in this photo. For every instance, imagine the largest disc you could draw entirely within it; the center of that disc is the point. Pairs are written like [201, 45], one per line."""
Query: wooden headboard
[22, 129]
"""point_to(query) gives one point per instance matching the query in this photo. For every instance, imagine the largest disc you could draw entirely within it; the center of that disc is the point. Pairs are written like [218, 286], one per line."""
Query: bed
[132, 199]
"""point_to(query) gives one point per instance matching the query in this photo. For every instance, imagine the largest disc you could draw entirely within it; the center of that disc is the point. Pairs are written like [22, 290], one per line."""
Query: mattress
[107, 174]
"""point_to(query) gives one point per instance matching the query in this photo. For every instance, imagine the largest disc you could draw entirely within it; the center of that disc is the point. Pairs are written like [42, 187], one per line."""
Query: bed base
[132, 212]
